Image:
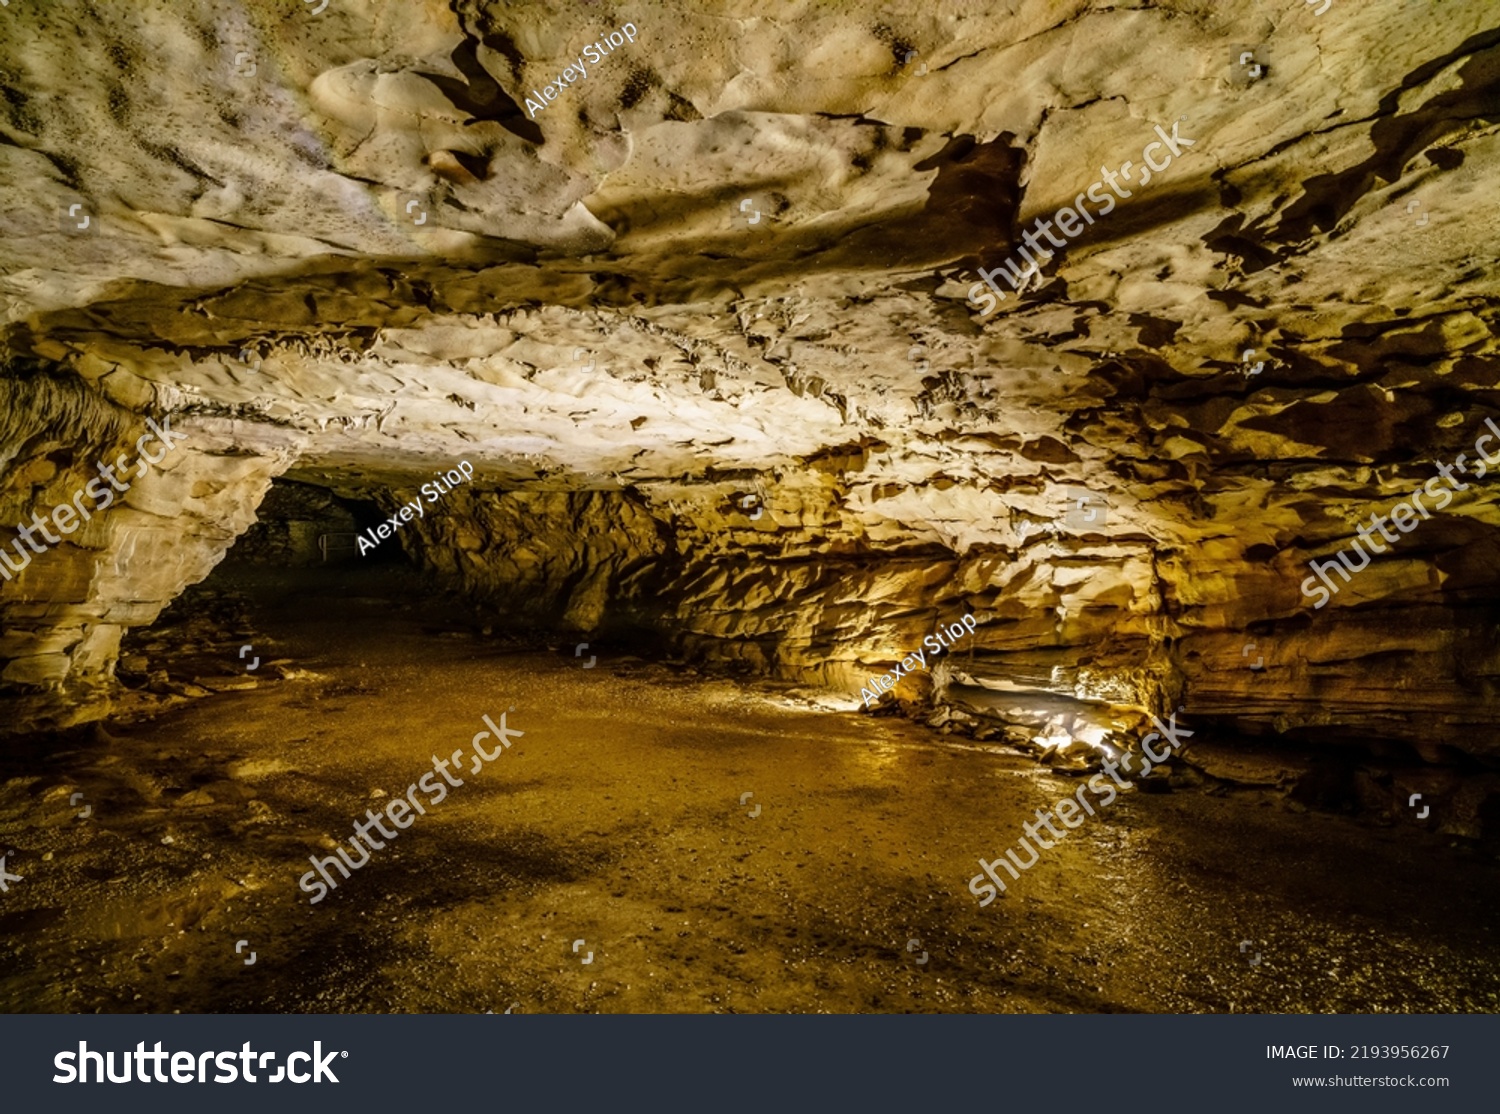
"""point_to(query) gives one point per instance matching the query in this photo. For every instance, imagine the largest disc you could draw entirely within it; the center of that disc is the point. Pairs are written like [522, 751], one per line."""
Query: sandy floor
[617, 821]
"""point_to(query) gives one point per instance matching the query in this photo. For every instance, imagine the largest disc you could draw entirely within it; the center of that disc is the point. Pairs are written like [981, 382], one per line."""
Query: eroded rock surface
[339, 247]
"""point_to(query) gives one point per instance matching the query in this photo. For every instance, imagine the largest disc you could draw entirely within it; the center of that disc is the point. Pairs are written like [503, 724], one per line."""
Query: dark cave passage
[717, 844]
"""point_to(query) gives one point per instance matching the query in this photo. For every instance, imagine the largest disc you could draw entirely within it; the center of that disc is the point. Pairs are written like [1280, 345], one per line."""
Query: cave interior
[693, 432]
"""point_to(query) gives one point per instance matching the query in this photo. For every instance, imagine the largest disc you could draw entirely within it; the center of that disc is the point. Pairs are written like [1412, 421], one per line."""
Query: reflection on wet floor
[611, 860]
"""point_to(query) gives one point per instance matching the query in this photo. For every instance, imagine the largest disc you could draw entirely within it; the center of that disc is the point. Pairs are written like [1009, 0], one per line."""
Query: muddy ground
[617, 820]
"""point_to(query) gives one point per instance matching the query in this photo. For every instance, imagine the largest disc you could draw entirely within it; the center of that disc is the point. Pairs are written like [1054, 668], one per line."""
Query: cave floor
[617, 820]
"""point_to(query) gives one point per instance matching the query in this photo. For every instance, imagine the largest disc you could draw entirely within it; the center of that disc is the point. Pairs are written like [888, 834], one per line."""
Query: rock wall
[343, 245]
[1077, 627]
[542, 557]
[107, 557]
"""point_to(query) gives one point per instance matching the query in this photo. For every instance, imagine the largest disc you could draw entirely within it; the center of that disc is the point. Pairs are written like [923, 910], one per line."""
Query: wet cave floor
[616, 820]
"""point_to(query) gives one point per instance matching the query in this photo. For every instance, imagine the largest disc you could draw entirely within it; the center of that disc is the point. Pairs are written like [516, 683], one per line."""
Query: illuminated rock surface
[789, 444]
[616, 819]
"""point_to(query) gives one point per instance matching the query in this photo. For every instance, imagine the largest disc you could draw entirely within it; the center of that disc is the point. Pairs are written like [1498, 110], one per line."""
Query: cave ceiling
[741, 250]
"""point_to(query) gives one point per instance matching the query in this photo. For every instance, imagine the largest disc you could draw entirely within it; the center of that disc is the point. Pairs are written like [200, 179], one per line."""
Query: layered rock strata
[732, 274]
